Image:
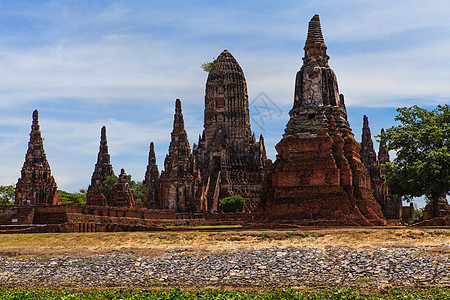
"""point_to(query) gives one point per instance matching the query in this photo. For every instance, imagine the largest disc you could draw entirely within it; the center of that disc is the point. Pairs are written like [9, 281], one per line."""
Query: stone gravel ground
[255, 268]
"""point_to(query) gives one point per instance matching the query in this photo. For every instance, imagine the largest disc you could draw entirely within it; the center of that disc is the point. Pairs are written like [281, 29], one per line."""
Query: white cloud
[123, 64]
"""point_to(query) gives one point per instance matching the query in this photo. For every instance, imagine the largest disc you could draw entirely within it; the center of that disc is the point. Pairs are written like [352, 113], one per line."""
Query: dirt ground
[156, 243]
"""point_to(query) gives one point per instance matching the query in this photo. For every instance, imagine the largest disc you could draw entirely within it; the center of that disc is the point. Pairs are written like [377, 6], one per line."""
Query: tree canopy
[67, 197]
[137, 188]
[7, 194]
[422, 165]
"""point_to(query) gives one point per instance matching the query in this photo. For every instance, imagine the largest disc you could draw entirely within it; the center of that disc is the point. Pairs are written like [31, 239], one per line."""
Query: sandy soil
[156, 243]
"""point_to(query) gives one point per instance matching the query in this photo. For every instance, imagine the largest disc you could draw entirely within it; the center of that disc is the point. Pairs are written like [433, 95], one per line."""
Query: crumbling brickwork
[36, 184]
[318, 177]
[121, 195]
[391, 205]
[228, 157]
[102, 170]
[151, 178]
[176, 190]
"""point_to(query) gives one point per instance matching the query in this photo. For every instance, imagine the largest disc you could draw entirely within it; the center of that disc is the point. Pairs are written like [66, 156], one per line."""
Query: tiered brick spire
[383, 154]
[318, 175]
[369, 156]
[229, 159]
[315, 44]
[176, 181]
[36, 185]
[102, 170]
[369, 159]
[151, 178]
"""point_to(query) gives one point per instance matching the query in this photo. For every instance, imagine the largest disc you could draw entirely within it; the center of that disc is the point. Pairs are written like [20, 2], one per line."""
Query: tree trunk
[435, 201]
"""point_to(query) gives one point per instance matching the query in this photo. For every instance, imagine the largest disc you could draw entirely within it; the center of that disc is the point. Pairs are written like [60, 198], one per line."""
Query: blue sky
[84, 64]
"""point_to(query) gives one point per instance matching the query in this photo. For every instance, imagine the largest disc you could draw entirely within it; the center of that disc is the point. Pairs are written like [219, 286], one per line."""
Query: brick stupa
[229, 158]
[36, 184]
[102, 170]
[176, 184]
[318, 177]
[151, 178]
[369, 159]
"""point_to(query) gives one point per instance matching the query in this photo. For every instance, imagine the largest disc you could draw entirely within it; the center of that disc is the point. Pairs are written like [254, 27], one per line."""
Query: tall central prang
[226, 102]
[230, 160]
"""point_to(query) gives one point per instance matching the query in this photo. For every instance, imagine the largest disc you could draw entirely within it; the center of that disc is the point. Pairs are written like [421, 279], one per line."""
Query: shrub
[232, 204]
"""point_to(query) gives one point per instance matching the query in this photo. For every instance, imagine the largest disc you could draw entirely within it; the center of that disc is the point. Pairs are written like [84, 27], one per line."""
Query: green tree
[207, 66]
[422, 165]
[7, 194]
[107, 185]
[67, 197]
[232, 204]
[138, 189]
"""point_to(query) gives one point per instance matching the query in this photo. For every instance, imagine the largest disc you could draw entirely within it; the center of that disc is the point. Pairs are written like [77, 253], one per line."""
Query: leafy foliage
[207, 66]
[422, 142]
[7, 194]
[107, 185]
[232, 204]
[67, 197]
[137, 188]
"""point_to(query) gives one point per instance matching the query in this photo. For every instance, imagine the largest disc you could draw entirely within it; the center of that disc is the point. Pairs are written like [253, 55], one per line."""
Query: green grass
[176, 293]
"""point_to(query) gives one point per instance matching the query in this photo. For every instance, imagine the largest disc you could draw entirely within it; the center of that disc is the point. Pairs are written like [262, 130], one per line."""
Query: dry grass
[156, 243]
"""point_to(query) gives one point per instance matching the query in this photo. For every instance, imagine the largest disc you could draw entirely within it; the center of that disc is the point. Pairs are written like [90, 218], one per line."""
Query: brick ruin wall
[83, 218]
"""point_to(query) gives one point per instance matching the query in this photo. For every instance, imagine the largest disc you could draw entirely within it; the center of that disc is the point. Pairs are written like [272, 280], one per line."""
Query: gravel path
[271, 267]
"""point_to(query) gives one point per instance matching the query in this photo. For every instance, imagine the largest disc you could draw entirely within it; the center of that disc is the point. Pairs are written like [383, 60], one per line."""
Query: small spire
[103, 133]
[35, 117]
[178, 121]
[103, 149]
[383, 154]
[315, 31]
[152, 148]
[315, 45]
[151, 154]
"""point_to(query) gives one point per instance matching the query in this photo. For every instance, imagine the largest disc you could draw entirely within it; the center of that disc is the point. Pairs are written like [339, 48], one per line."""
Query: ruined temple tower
[36, 184]
[318, 177]
[151, 178]
[102, 170]
[176, 184]
[391, 205]
[228, 157]
[369, 159]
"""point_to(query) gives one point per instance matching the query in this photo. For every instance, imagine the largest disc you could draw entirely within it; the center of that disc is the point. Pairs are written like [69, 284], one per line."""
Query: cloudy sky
[84, 64]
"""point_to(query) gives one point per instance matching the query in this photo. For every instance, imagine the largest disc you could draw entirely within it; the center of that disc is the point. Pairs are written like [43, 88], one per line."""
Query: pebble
[269, 267]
